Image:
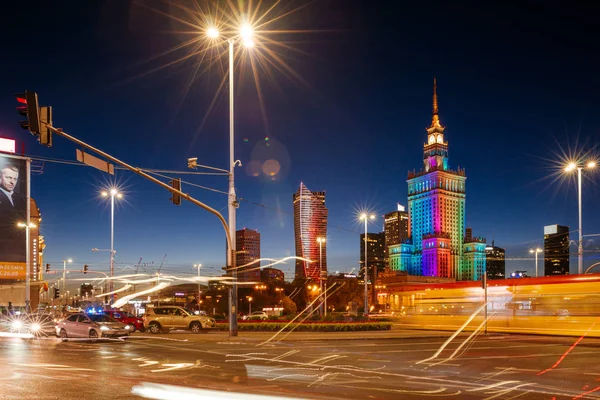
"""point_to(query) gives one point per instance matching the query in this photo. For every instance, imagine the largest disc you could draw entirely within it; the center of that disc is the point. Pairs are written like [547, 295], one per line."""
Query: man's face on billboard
[9, 179]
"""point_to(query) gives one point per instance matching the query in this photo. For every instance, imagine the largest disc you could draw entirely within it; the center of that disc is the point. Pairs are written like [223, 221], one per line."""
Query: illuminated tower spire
[435, 120]
[435, 152]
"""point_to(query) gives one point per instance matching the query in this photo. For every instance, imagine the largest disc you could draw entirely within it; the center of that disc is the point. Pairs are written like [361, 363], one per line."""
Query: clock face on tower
[440, 139]
[431, 139]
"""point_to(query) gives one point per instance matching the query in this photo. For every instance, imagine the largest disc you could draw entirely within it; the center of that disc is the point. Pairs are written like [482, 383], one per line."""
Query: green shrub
[308, 326]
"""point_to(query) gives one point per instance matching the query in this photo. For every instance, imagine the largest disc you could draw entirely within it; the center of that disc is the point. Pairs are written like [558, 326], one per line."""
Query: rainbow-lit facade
[436, 207]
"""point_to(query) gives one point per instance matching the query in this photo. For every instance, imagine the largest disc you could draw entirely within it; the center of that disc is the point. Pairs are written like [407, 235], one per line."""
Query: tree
[289, 307]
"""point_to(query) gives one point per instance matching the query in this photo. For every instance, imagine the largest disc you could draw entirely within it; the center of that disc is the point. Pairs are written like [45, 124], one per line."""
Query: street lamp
[321, 240]
[366, 218]
[536, 252]
[112, 193]
[199, 291]
[68, 260]
[245, 34]
[572, 166]
[28, 265]
[250, 305]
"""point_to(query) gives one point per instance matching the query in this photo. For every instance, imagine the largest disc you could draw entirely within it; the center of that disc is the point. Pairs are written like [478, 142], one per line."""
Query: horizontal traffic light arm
[140, 172]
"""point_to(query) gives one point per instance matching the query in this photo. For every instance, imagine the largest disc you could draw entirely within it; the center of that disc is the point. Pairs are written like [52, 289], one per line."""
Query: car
[165, 318]
[136, 323]
[91, 326]
[31, 325]
[257, 316]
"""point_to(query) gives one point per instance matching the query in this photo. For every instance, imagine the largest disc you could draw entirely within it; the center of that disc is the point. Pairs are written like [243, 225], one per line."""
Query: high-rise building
[247, 250]
[556, 250]
[310, 223]
[396, 229]
[396, 226]
[375, 253]
[436, 211]
[495, 262]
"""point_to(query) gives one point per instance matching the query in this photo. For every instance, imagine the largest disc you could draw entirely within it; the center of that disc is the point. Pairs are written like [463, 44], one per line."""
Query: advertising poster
[13, 210]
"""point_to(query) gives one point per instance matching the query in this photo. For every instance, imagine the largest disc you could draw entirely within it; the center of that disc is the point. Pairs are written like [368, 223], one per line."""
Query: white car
[91, 326]
[257, 315]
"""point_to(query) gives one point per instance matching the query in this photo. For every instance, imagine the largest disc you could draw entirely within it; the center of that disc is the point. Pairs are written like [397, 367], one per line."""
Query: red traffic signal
[30, 109]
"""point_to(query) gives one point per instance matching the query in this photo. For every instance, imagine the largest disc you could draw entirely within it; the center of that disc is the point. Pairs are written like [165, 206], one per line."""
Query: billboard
[14, 209]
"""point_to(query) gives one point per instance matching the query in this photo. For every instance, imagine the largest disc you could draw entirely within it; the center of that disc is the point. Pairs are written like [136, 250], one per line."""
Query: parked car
[91, 326]
[164, 319]
[136, 323]
[257, 316]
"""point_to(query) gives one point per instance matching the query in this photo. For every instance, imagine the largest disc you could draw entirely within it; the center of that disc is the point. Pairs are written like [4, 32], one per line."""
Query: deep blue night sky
[517, 88]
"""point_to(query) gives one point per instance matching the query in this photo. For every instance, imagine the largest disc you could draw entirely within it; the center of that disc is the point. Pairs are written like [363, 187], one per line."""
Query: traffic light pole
[138, 171]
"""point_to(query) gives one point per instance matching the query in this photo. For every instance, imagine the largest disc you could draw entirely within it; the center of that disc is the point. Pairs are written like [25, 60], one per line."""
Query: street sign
[50, 272]
[95, 162]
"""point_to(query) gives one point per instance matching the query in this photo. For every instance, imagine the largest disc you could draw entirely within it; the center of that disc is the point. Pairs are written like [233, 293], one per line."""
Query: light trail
[123, 300]
[459, 330]
[170, 392]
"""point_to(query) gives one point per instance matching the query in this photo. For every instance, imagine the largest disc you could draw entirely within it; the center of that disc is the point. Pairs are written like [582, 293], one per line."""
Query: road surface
[414, 365]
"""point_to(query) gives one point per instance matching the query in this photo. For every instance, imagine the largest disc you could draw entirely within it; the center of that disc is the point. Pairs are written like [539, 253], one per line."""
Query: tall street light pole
[571, 167]
[199, 291]
[112, 193]
[68, 260]
[245, 33]
[28, 266]
[536, 252]
[366, 218]
[321, 240]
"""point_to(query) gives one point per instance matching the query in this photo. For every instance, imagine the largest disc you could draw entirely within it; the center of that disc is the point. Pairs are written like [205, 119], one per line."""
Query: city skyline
[355, 139]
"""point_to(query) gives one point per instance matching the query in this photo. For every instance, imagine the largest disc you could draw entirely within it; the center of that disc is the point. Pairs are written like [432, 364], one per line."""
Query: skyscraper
[395, 229]
[436, 210]
[495, 262]
[556, 250]
[396, 226]
[375, 253]
[247, 250]
[310, 223]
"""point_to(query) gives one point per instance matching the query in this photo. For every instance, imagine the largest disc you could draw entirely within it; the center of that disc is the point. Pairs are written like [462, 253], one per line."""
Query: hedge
[308, 327]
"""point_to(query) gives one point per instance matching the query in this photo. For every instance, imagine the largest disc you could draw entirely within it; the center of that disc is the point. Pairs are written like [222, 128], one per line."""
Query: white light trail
[123, 300]
[170, 392]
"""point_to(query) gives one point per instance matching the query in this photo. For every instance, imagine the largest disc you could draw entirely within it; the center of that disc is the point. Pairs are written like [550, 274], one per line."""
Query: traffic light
[85, 269]
[176, 184]
[29, 109]
[47, 268]
[56, 293]
[45, 137]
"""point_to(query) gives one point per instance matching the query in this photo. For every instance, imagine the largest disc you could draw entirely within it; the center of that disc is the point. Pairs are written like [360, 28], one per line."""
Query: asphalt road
[414, 365]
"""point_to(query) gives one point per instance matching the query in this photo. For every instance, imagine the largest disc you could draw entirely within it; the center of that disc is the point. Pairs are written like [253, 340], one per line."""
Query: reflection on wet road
[482, 367]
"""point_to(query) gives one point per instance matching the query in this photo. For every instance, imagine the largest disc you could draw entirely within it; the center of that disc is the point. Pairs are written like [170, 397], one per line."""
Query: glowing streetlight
[246, 31]
[536, 252]
[321, 240]
[245, 36]
[366, 218]
[569, 168]
[112, 192]
[212, 33]
[250, 305]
